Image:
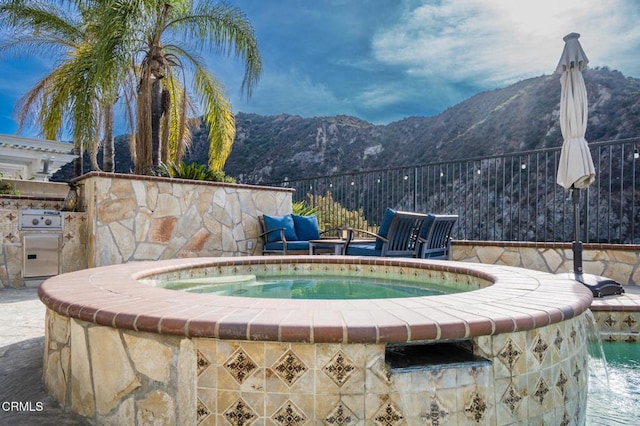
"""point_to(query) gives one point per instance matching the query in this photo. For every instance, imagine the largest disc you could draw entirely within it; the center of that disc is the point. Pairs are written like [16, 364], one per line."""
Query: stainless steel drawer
[41, 257]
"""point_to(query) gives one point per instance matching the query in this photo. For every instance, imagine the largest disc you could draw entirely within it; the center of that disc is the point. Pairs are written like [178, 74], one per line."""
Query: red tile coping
[627, 302]
[517, 300]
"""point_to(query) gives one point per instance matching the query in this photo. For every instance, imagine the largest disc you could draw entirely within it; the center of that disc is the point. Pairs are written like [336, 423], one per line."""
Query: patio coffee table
[337, 244]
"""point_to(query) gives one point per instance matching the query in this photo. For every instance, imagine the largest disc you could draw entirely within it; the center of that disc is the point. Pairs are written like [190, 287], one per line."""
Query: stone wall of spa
[147, 218]
[117, 376]
[618, 262]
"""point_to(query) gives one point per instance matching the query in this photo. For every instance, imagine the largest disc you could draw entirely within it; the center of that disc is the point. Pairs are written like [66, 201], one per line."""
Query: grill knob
[47, 222]
[35, 221]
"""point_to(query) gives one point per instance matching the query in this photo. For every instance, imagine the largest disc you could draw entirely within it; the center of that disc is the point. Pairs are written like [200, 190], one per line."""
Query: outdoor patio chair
[435, 243]
[397, 236]
[290, 234]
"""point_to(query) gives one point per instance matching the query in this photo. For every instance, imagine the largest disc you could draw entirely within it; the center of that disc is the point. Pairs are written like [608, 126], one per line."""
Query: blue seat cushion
[384, 227]
[306, 227]
[277, 222]
[363, 250]
[291, 245]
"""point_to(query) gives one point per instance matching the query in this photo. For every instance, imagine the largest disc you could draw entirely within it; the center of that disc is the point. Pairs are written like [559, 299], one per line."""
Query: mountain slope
[523, 116]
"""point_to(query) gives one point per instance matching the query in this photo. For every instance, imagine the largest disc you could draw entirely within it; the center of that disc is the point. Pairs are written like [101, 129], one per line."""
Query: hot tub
[120, 350]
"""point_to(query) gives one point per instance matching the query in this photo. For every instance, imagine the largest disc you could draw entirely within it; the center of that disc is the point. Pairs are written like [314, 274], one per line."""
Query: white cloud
[498, 42]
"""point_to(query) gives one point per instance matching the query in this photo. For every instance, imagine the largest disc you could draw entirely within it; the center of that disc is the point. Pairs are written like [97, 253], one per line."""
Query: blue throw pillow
[384, 226]
[306, 227]
[277, 222]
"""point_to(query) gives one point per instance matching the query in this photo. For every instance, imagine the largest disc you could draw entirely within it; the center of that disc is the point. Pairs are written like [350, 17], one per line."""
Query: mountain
[523, 116]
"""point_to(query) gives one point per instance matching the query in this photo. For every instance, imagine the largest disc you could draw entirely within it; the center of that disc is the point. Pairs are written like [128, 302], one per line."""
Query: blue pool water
[306, 287]
[618, 401]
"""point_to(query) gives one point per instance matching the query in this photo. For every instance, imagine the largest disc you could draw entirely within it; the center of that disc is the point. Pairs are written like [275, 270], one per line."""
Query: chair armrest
[352, 231]
[281, 230]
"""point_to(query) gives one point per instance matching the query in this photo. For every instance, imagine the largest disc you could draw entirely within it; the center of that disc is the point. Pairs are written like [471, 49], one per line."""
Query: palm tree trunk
[108, 155]
[156, 116]
[77, 163]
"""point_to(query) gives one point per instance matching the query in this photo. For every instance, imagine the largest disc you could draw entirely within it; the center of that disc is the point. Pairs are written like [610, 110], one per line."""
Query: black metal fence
[511, 197]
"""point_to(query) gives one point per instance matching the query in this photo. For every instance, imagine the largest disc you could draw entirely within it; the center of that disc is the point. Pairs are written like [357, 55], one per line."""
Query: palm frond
[218, 115]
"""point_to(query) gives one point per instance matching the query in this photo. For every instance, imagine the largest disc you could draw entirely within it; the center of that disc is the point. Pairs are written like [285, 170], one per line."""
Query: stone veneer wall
[73, 256]
[148, 218]
[126, 377]
[126, 218]
[618, 262]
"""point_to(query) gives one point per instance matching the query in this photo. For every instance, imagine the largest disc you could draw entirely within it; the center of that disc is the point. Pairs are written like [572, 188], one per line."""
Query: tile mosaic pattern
[342, 384]
[340, 415]
[240, 366]
[340, 368]
[289, 368]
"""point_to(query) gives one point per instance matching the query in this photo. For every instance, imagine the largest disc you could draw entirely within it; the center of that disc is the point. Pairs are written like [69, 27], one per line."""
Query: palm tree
[163, 106]
[77, 96]
[102, 41]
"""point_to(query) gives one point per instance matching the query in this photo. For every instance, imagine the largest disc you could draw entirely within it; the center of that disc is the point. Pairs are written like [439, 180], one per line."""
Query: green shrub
[301, 208]
[192, 171]
[332, 215]
[7, 187]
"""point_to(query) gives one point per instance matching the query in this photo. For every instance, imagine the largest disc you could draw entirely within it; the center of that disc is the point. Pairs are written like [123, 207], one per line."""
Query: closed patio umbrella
[576, 169]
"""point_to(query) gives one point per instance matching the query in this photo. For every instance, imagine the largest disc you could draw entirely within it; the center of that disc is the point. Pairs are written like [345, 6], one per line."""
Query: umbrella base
[599, 286]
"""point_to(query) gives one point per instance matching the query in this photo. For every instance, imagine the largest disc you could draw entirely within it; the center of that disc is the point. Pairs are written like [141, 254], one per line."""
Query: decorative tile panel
[509, 354]
[340, 415]
[558, 341]
[576, 373]
[203, 362]
[202, 412]
[240, 365]
[563, 379]
[289, 415]
[240, 414]
[630, 321]
[541, 391]
[388, 415]
[436, 414]
[539, 348]
[475, 407]
[610, 321]
[340, 368]
[289, 367]
[511, 398]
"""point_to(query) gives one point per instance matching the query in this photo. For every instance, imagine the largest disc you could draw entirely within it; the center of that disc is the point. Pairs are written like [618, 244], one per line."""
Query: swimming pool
[313, 287]
[618, 401]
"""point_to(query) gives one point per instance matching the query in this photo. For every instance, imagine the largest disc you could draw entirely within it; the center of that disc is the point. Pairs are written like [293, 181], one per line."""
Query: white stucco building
[32, 159]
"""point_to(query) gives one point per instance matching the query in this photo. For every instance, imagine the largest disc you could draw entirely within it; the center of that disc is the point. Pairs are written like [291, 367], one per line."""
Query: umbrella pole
[577, 243]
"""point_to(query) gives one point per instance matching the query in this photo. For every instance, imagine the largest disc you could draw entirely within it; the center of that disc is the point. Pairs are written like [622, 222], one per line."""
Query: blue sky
[384, 60]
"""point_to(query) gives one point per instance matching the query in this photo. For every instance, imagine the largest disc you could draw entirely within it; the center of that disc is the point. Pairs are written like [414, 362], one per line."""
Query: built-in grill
[41, 240]
[40, 220]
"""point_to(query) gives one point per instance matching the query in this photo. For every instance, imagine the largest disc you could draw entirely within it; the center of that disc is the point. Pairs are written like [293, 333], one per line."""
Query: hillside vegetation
[523, 116]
